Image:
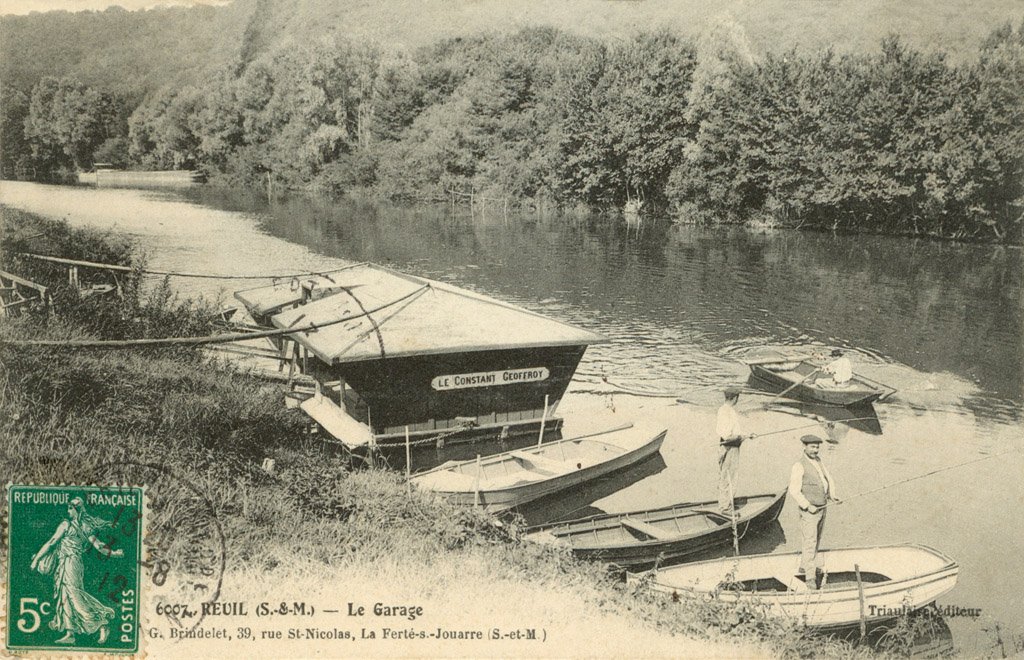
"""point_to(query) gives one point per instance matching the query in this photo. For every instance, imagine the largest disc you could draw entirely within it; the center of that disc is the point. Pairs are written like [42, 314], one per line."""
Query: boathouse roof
[399, 315]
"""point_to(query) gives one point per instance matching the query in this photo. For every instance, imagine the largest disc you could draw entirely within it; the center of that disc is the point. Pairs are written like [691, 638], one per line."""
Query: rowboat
[513, 478]
[640, 538]
[806, 381]
[894, 580]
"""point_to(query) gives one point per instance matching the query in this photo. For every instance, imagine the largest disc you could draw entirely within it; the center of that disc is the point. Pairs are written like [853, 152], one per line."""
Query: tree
[998, 114]
[708, 180]
[65, 122]
[160, 131]
[14, 148]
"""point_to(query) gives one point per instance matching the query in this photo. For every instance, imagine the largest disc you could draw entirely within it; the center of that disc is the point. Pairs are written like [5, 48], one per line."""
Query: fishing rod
[922, 476]
[796, 428]
[744, 390]
[830, 427]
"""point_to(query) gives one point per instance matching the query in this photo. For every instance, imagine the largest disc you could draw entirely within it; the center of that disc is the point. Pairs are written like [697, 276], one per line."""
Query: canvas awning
[396, 315]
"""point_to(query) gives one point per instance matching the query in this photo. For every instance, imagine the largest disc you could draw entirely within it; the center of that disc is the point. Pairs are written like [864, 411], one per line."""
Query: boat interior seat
[781, 366]
[719, 517]
[505, 481]
[792, 582]
[543, 463]
[645, 528]
[828, 384]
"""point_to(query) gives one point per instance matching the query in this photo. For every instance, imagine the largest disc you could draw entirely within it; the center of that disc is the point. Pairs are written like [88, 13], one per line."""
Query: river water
[940, 322]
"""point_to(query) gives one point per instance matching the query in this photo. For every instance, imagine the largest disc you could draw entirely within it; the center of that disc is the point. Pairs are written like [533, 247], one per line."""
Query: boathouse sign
[490, 378]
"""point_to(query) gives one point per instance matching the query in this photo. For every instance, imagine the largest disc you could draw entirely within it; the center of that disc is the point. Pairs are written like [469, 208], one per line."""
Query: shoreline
[529, 207]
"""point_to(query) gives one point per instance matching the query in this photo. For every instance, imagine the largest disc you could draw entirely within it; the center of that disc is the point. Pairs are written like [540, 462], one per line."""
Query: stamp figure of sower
[73, 578]
[75, 611]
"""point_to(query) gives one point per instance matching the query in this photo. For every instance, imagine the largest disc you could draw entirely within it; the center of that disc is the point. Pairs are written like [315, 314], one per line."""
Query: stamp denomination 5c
[73, 559]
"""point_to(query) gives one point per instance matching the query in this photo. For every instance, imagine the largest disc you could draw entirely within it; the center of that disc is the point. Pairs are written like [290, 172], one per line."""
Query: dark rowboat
[893, 580]
[640, 538]
[806, 381]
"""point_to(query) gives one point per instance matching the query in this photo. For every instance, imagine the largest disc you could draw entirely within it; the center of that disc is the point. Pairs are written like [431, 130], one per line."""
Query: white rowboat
[895, 579]
[512, 478]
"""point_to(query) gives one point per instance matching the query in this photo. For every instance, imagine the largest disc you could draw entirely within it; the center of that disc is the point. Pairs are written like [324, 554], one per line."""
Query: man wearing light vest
[730, 437]
[811, 487]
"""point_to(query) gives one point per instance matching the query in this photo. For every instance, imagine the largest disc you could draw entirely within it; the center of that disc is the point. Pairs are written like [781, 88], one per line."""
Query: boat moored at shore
[641, 538]
[510, 479]
[867, 584]
[397, 356]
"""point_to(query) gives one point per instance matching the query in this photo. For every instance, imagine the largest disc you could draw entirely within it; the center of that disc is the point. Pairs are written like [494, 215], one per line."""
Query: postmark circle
[185, 545]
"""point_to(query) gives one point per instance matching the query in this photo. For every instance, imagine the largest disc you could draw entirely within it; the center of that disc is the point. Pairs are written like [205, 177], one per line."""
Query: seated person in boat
[839, 369]
[811, 487]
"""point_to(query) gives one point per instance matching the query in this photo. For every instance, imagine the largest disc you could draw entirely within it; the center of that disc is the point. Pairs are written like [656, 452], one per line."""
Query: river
[940, 322]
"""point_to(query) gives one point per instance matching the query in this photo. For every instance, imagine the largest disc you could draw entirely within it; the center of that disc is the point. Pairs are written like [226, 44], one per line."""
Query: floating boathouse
[392, 352]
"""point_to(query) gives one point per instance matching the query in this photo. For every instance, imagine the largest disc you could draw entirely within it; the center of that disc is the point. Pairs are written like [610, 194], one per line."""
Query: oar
[921, 476]
[891, 390]
[799, 382]
[778, 358]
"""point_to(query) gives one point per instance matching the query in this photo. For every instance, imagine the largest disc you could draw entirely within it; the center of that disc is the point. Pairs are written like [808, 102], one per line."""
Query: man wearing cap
[811, 487]
[730, 437]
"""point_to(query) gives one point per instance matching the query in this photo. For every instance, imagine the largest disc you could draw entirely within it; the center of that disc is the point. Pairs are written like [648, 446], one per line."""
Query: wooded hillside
[901, 135]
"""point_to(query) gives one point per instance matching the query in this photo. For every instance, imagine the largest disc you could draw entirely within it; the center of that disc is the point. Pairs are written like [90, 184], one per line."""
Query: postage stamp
[73, 559]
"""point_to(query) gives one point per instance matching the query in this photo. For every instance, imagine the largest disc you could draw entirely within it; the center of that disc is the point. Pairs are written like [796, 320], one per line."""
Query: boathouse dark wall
[399, 392]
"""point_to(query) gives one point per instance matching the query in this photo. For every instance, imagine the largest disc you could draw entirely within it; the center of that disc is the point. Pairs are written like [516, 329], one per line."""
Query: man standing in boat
[730, 437]
[811, 487]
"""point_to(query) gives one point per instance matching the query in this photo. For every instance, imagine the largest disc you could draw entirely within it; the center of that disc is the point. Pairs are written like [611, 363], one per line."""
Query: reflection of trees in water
[935, 307]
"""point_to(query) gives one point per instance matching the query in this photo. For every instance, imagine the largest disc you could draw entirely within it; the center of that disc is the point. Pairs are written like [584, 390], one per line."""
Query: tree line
[895, 140]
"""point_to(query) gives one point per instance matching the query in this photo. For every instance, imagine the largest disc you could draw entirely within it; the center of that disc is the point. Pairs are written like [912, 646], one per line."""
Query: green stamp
[73, 560]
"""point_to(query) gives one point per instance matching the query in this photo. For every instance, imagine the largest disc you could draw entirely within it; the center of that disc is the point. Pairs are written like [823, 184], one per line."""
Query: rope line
[926, 474]
[200, 341]
[430, 440]
[376, 327]
[126, 269]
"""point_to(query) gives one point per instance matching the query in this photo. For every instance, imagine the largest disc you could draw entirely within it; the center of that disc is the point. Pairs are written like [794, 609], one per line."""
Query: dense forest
[895, 138]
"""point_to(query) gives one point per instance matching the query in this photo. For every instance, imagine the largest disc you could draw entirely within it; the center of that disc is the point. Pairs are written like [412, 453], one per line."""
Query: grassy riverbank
[311, 528]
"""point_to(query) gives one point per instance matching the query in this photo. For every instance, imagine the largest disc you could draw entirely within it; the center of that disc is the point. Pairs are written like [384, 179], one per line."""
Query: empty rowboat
[806, 381]
[512, 478]
[894, 579]
[641, 538]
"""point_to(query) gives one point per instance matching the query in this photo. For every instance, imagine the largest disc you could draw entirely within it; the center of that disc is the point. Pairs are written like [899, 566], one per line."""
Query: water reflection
[862, 418]
[931, 307]
[922, 634]
[578, 501]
